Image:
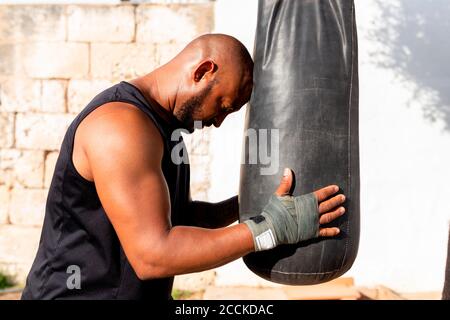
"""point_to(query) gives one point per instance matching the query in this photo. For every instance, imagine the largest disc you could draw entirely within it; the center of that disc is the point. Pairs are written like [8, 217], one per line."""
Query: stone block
[22, 168]
[122, 61]
[81, 92]
[27, 206]
[173, 23]
[53, 99]
[166, 52]
[6, 130]
[41, 131]
[100, 23]
[19, 244]
[26, 23]
[20, 94]
[56, 60]
[11, 61]
[4, 204]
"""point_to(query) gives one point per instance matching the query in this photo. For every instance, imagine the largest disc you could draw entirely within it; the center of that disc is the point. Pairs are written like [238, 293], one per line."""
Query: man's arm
[124, 151]
[213, 215]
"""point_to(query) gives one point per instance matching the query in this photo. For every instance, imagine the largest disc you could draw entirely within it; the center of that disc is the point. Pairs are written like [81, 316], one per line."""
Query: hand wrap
[285, 220]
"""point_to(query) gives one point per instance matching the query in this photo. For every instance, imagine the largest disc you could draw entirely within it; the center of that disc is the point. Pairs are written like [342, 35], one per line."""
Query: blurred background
[55, 56]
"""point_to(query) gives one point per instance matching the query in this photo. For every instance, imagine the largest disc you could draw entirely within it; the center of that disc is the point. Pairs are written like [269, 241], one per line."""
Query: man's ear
[204, 69]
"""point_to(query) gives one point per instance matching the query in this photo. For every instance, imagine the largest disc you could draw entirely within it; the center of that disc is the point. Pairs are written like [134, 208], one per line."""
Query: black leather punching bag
[306, 87]
[446, 290]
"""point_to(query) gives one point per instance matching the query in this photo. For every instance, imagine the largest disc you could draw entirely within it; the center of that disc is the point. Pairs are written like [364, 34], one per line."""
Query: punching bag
[305, 98]
[446, 290]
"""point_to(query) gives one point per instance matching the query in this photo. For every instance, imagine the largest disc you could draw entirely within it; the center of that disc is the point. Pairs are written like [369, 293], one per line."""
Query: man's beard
[191, 107]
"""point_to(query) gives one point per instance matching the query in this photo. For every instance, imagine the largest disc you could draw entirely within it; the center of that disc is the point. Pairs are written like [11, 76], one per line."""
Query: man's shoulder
[118, 125]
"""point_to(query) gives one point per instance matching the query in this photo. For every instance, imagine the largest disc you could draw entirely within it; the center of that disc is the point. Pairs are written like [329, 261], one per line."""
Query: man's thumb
[285, 183]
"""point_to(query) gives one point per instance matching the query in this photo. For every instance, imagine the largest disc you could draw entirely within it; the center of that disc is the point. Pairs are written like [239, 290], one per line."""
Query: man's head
[215, 73]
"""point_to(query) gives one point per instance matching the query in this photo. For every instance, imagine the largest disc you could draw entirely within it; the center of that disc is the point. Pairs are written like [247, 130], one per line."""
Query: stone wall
[53, 60]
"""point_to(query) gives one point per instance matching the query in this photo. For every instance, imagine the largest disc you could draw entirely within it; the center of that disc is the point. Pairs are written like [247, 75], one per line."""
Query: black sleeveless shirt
[77, 232]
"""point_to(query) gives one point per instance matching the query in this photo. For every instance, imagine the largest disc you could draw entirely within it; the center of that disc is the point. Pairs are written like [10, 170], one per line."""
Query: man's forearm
[193, 249]
[213, 215]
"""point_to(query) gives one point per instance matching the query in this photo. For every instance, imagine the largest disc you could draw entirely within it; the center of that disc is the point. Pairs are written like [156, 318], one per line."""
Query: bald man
[119, 220]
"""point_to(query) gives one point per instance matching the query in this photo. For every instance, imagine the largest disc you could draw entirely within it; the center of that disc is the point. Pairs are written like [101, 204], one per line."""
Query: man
[119, 220]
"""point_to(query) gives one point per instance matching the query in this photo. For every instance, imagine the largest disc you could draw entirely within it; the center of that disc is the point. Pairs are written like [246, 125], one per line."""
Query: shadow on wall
[415, 34]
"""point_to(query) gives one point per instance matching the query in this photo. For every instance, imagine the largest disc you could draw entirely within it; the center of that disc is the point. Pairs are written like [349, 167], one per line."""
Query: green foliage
[180, 294]
[5, 282]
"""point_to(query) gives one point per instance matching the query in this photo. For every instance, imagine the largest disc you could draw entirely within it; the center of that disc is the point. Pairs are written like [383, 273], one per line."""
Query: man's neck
[154, 93]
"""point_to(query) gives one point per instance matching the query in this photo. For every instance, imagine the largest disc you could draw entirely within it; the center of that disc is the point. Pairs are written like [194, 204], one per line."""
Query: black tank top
[77, 232]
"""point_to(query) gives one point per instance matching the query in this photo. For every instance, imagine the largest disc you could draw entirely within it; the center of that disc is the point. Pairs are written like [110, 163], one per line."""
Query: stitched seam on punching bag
[304, 273]
[349, 184]
[297, 273]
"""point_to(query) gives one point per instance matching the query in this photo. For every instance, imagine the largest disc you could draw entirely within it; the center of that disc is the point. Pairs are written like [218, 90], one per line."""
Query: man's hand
[288, 220]
[329, 208]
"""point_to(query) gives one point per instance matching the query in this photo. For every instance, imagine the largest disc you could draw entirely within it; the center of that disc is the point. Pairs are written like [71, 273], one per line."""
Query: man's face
[214, 102]
[191, 109]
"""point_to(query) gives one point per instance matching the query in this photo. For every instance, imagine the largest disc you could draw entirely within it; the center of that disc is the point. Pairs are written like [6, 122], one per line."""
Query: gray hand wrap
[285, 220]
